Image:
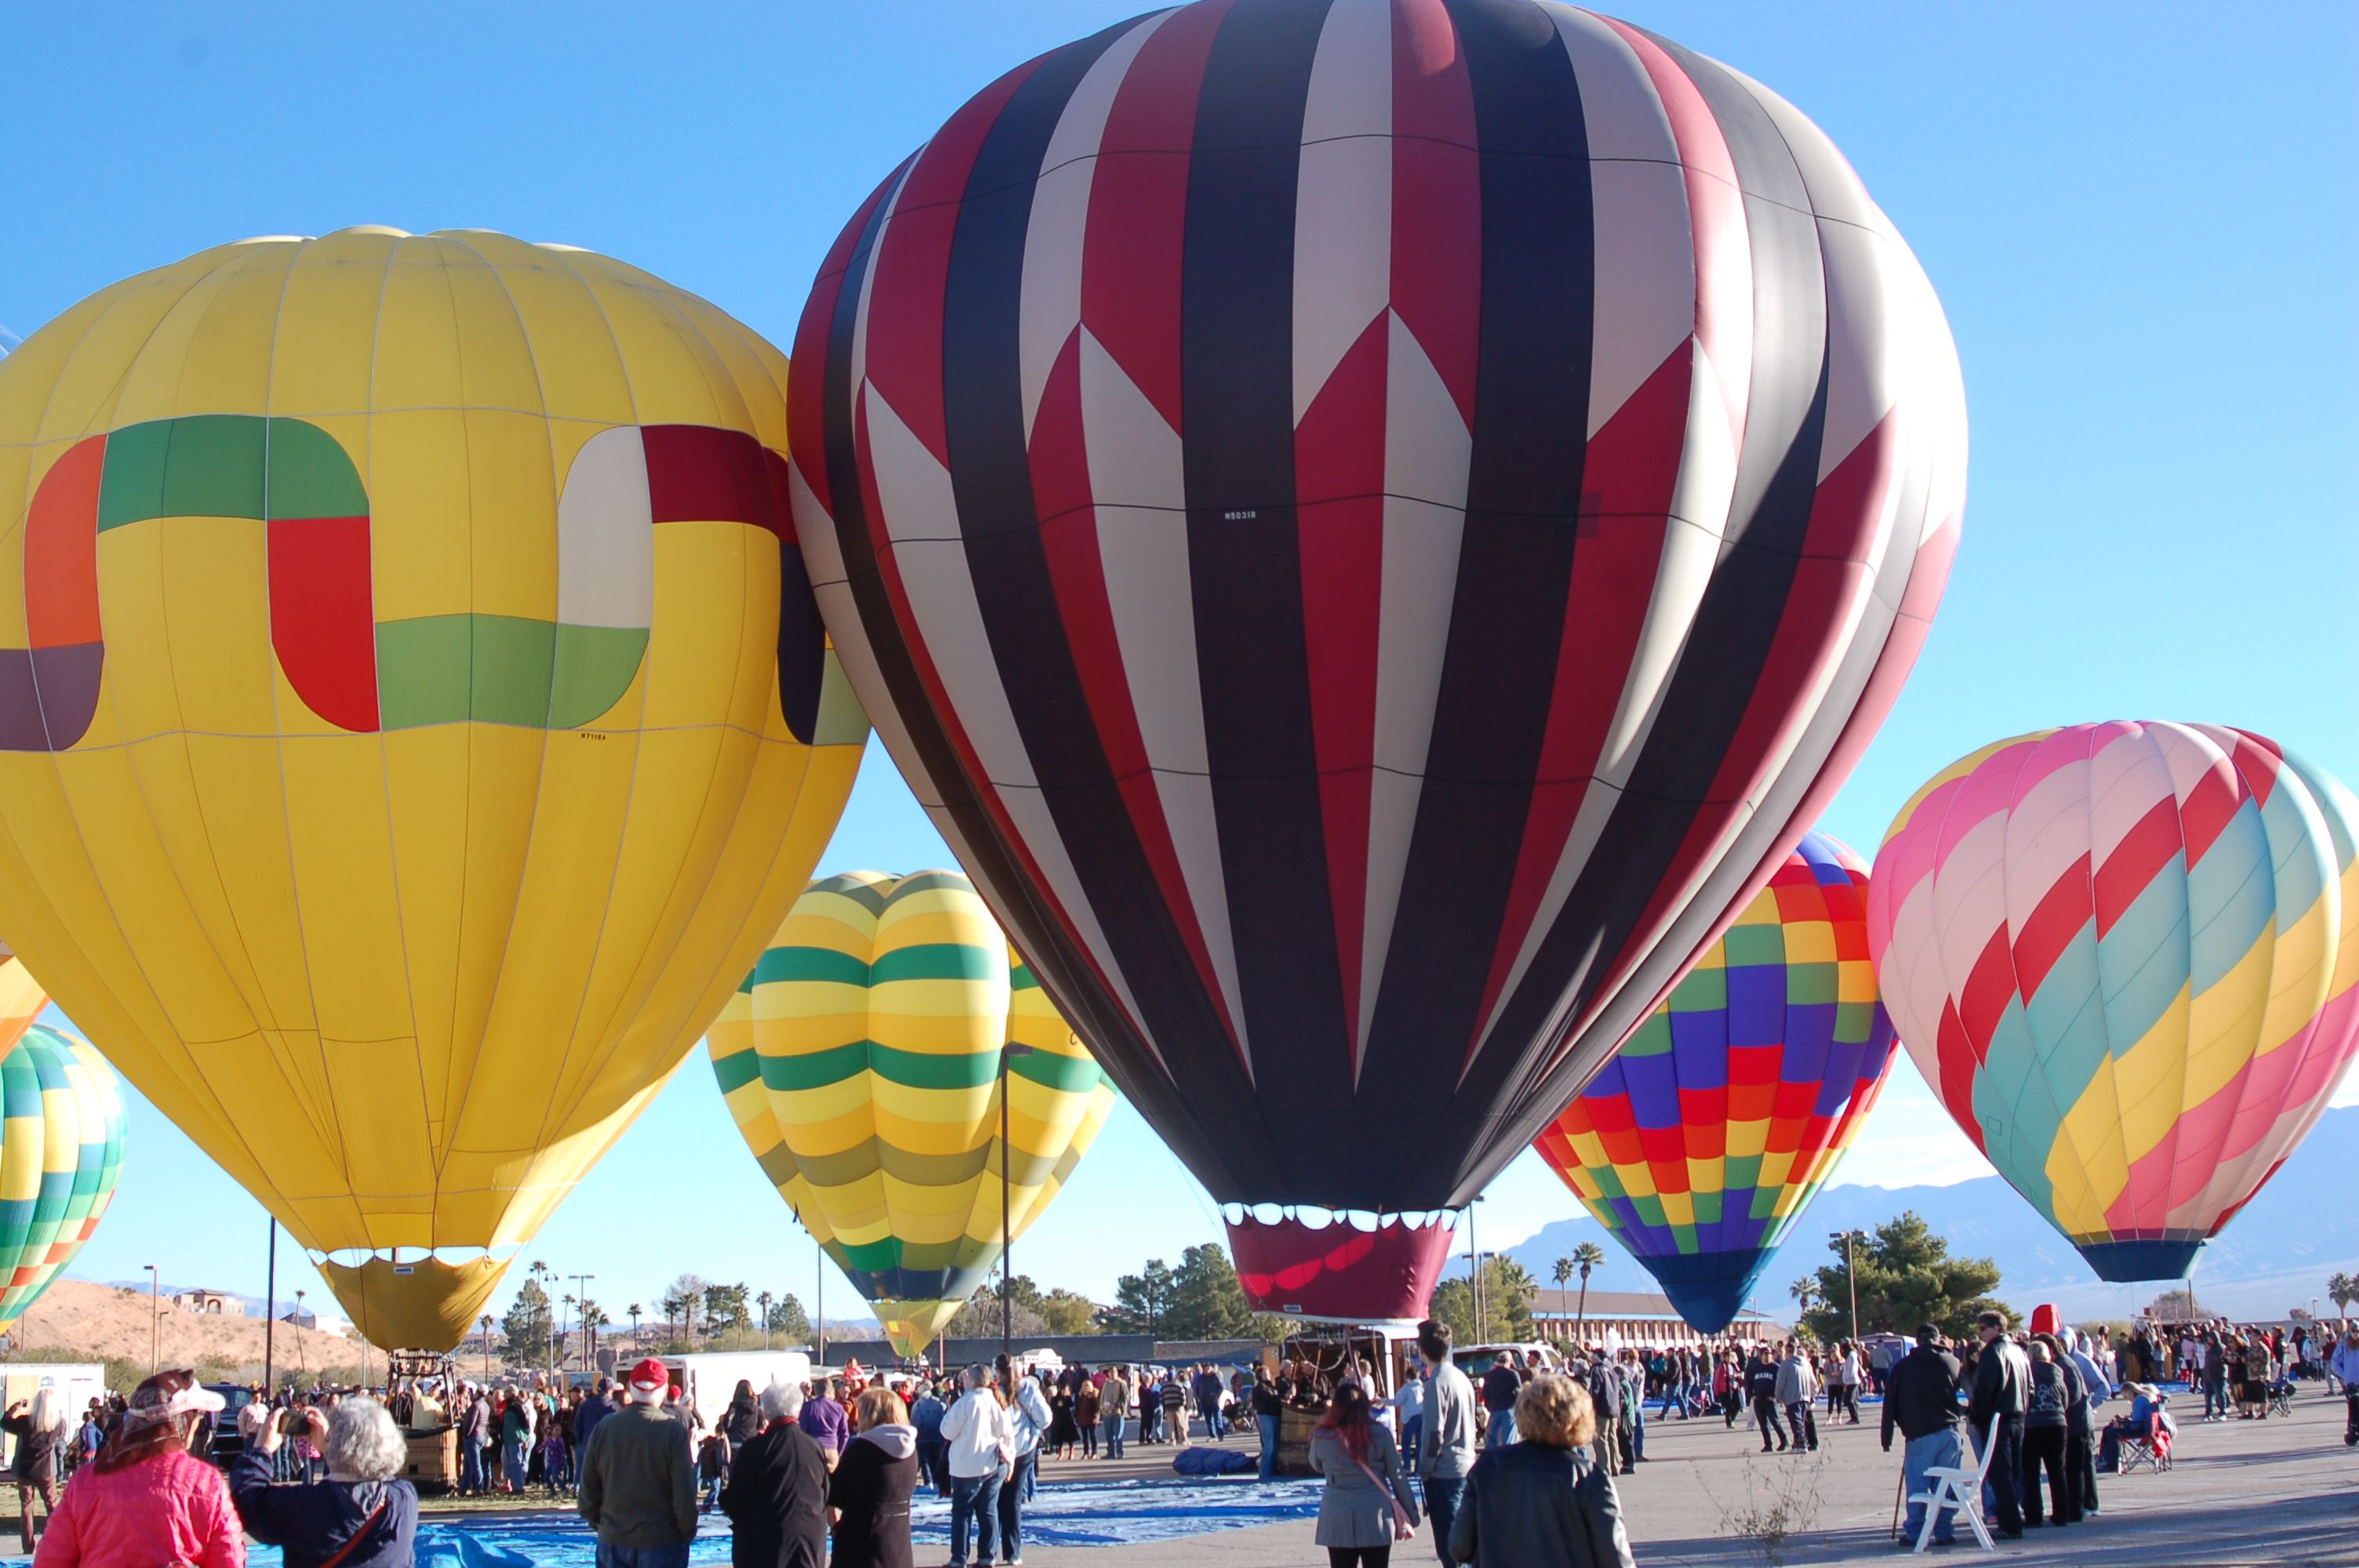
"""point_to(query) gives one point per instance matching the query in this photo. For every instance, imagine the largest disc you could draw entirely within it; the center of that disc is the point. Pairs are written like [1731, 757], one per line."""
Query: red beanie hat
[650, 1373]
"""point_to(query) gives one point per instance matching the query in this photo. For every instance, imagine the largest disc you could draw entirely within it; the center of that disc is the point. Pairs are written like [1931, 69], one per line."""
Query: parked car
[225, 1444]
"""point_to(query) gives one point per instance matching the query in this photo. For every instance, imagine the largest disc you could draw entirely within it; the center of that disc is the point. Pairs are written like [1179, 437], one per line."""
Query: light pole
[1474, 1271]
[269, 1306]
[581, 1310]
[155, 1320]
[1851, 1267]
[1013, 1049]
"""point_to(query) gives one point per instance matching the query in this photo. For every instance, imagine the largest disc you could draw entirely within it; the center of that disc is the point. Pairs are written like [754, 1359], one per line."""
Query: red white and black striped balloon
[1371, 526]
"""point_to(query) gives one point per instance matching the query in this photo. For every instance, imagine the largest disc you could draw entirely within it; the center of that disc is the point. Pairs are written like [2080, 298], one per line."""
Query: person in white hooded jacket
[982, 1441]
[1028, 1411]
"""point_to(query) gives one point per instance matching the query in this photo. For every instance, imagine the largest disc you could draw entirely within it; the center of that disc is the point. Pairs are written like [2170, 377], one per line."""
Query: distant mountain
[2274, 1257]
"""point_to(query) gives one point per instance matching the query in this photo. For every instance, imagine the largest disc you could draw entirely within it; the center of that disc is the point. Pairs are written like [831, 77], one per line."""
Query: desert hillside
[103, 1323]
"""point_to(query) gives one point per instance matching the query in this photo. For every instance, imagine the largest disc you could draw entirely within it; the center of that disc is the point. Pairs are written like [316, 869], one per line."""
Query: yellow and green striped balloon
[60, 1150]
[861, 1060]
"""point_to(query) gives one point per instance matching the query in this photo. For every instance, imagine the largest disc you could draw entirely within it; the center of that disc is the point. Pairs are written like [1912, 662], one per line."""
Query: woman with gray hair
[776, 1494]
[359, 1516]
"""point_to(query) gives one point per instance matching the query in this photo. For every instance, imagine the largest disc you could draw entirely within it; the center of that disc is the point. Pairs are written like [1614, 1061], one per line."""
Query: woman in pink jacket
[145, 1501]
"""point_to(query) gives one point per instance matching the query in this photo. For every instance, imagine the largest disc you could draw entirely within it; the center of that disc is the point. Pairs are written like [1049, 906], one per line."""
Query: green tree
[1207, 1303]
[527, 1326]
[1585, 1257]
[1067, 1311]
[2177, 1305]
[684, 1299]
[2342, 1290]
[725, 1308]
[1508, 1292]
[1906, 1277]
[785, 1317]
[1140, 1301]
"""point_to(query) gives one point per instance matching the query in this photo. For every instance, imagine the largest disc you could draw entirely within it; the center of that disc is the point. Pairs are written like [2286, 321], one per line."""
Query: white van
[710, 1377]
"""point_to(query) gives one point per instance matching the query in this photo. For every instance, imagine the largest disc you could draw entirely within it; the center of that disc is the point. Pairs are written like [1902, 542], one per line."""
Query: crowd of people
[1519, 1473]
[1517, 1467]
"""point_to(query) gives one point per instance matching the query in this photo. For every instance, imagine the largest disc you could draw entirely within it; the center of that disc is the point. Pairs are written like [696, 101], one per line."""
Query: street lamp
[1851, 1267]
[1013, 1049]
[581, 1310]
[155, 1320]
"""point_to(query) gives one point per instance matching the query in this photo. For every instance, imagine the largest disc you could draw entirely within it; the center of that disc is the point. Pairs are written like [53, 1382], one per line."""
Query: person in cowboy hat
[146, 1498]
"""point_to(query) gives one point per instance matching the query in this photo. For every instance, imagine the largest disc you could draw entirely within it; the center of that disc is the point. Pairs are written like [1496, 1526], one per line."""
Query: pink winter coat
[170, 1510]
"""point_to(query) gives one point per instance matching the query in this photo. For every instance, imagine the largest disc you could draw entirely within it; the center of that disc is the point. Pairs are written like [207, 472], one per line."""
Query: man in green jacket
[638, 1481]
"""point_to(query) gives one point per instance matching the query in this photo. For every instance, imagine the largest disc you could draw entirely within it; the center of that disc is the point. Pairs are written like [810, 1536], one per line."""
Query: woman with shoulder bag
[1366, 1505]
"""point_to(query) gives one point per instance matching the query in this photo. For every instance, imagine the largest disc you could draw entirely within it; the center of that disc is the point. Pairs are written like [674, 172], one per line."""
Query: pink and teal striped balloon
[2126, 955]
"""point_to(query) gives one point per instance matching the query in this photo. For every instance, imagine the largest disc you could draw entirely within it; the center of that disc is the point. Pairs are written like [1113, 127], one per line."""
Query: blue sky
[2140, 220]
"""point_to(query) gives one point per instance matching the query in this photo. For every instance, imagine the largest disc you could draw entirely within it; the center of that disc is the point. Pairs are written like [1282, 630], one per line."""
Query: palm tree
[487, 1321]
[1805, 1290]
[1585, 1257]
[634, 1310]
[2342, 1290]
[766, 1298]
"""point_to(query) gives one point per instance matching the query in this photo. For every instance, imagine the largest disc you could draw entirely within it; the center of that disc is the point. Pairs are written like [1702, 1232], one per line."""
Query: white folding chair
[1958, 1487]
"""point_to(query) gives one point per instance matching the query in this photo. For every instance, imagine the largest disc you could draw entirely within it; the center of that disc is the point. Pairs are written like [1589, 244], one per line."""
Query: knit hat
[650, 1376]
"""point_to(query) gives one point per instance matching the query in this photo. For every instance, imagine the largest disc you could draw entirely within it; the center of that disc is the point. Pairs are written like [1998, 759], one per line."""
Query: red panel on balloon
[1339, 1271]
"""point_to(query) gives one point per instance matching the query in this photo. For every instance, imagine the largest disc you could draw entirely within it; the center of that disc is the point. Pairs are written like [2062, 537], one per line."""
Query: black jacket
[1606, 1391]
[311, 1523]
[777, 1501]
[37, 1456]
[1530, 1503]
[1920, 1394]
[2002, 1382]
[872, 1488]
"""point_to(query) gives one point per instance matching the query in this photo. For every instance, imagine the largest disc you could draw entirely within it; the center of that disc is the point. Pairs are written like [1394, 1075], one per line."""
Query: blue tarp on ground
[1108, 1513]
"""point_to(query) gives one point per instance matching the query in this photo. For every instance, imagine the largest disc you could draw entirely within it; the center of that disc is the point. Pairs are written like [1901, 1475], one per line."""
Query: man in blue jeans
[1265, 1408]
[980, 1441]
[1920, 1401]
[1113, 1408]
[1446, 1451]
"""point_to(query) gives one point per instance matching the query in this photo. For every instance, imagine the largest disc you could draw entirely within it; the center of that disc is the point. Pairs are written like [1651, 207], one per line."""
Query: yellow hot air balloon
[413, 719]
[861, 1058]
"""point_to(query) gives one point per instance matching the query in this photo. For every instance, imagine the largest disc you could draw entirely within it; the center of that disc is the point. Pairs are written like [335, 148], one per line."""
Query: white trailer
[79, 1382]
[710, 1377]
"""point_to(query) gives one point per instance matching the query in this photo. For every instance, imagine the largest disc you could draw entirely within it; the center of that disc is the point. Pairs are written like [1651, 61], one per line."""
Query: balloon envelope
[2127, 956]
[410, 721]
[58, 1159]
[1369, 526]
[1710, 1130]
[862, 1060]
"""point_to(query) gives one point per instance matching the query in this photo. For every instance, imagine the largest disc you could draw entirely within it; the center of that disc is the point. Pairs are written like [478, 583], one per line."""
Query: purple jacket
[826, 1422]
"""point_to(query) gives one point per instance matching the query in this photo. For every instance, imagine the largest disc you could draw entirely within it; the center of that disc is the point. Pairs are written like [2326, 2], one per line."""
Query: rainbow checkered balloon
[60, 1154]
[1712, 1127]
[2126, 955]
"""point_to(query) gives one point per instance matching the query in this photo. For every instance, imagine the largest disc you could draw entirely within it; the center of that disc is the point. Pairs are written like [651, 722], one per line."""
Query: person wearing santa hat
[638, 1480]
